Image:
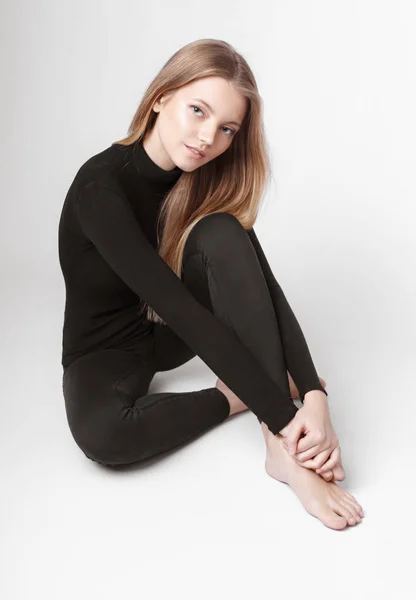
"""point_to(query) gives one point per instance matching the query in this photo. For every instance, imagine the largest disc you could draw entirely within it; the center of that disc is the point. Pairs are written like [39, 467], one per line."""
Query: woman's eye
[229, 128]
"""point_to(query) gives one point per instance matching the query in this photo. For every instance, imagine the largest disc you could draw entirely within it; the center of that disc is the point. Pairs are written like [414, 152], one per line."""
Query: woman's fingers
[327, 475]
[310, 447]
[317, 461]
[313, 452]
[331, 462]
[307, 442]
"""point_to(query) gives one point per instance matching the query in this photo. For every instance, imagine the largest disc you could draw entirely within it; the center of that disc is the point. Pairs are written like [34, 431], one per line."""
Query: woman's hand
[332, 469]
[314, 423]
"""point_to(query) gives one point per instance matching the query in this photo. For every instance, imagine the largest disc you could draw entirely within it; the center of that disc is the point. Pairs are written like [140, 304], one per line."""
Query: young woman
[161, 263]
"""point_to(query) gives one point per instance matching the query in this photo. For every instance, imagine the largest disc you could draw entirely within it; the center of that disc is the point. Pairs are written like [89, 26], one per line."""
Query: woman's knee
[216, 234]
[99, 392]
[117, 443]
[109, 437]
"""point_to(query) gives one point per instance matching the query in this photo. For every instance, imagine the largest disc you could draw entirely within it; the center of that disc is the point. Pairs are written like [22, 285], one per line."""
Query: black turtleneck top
[109, 260]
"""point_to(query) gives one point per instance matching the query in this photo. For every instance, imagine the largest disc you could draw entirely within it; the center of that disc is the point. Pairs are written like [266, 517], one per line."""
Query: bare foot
[236, 405]
[325, 500]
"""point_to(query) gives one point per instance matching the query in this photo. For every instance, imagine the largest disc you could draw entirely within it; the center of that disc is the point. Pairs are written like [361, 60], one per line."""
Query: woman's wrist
[315, 396]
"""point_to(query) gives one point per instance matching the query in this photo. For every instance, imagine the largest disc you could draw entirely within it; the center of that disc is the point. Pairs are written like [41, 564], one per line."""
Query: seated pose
[161, 264]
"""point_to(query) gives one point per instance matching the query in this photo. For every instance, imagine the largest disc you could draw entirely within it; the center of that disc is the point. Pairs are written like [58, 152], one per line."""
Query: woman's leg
[222, 270]
[111, 415]
[115, 421]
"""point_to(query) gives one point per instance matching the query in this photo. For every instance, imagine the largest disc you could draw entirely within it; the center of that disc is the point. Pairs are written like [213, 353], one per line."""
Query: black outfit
[227, 308]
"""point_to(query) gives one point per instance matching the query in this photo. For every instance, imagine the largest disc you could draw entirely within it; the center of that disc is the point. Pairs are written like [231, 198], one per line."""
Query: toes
[352, 508]
[332, 520]
[355, 509]
[343, 511]
[354, 501]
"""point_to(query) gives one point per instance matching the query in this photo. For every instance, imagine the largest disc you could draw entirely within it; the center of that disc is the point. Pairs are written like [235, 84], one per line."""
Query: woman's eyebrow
[210, 109]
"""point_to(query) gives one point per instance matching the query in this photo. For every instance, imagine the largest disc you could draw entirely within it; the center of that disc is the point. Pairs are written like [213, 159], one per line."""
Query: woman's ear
[162, 99]
[156, 106]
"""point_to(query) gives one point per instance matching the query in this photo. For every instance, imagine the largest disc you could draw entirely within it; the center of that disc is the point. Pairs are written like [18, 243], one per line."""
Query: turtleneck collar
[150, 170]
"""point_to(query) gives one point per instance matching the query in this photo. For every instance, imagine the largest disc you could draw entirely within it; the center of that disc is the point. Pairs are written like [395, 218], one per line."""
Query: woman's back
[100, 309]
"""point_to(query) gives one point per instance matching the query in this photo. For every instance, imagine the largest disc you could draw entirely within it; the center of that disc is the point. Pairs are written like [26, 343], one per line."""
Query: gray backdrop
[339, 89]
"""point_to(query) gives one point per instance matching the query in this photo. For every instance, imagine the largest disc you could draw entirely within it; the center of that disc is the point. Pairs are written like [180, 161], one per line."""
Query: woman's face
[184, 120]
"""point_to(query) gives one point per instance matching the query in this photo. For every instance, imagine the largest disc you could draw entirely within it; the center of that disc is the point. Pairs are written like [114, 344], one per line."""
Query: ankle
[236, 405]
[221, 387]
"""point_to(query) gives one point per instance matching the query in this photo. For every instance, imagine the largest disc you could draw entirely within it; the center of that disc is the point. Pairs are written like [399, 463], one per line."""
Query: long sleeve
[108, 221]
[298, 358]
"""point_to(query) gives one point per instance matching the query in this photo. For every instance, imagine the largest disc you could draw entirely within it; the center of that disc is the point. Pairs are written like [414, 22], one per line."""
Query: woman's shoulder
[102, 168]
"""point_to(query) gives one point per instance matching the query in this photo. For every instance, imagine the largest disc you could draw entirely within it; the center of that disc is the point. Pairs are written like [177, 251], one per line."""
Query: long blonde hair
[233, 182]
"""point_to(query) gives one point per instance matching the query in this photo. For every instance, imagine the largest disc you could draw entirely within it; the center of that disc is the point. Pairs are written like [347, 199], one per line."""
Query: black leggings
[113, 418]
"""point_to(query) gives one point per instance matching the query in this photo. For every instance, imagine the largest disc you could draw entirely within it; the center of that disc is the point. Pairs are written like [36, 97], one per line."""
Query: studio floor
[205, 520]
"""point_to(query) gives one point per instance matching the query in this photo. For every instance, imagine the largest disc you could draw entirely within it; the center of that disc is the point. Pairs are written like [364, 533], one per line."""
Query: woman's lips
[194, 153]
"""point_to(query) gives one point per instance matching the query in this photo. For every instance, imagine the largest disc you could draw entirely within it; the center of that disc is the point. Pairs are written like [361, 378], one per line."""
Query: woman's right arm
[108, 220]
